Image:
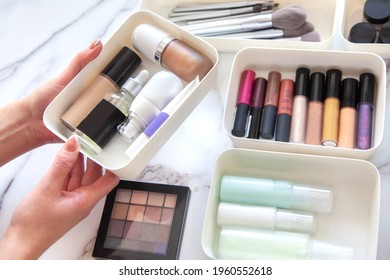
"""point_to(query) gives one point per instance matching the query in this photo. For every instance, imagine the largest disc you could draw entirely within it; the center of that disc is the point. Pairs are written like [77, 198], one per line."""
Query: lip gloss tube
[283, 118]
[299, 110]
[243, 102]
[330, 126]
[257, 104]
[275, 193]
[315, 109]
[267, 128]
[365, 111]
[249, 216]
[347, 128]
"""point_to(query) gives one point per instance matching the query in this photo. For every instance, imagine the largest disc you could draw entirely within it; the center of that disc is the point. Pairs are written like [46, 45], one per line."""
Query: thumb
[64, 161]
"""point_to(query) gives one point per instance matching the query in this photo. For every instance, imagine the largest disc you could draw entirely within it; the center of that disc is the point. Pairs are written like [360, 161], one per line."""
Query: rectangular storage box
[353, 13]
[113, 156]
[264, 60]
[322, 15]
[354, 218]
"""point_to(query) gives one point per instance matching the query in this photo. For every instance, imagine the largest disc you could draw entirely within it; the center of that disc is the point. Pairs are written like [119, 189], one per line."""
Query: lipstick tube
[283, 118]
[299, 109]
[257, 104]
[365, 111]
[315, 109]
[330, 128]
[267, 128]
[347, 127]
[243, 102]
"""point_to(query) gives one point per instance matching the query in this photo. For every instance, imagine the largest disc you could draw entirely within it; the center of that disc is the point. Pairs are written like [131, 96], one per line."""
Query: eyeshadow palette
[142, 221]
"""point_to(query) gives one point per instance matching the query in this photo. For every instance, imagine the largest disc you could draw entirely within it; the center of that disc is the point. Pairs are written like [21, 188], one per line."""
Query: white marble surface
[38, 39]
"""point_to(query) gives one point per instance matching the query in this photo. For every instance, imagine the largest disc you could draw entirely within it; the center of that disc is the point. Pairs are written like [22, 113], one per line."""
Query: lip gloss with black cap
[283, 118]
[267, 129]
[243, 102]
[257, 104]
[365, 110]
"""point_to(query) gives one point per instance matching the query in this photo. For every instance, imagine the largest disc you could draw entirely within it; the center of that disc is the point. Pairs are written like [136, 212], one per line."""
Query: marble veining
[39, 38]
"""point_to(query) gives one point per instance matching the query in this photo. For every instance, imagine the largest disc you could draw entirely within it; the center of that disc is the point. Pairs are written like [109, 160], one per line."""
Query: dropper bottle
[98, 128]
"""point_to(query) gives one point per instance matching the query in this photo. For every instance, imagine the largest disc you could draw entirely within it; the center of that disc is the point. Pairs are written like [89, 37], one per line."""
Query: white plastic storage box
[113, 156]
[322, 14]
[353, 14]
[264, 60]
[353, 221]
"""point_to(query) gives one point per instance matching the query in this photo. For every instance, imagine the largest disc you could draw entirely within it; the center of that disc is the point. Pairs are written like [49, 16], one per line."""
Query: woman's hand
[62, 198]
[21, 122]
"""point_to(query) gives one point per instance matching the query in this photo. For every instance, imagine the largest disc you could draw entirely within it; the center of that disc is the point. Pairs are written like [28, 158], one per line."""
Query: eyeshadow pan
[149, 232]
[123, 196]
[136, 213]
[139, 197]
[120, 211]
[170, 200]
[167, 216]
[115, 228]
[142, 221]
[133, 230]
[156, 199]
[152, 214]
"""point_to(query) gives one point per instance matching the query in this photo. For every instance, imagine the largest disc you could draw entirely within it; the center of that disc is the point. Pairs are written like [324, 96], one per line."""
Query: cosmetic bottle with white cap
[100, 125]
[264, 217]
[259, 244]
[170, 52]
[275, 193]
[156, 94]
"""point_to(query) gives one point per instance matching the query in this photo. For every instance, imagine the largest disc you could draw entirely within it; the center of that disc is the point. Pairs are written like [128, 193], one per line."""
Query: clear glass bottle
[100, 125]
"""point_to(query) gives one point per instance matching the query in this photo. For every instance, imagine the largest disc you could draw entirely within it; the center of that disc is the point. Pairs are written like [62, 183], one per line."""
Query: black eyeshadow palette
[142, 221]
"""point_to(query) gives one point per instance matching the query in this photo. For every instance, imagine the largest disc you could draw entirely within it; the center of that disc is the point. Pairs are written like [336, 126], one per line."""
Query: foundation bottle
[98, 128]
[347, 127]
[111, 79]
[171, 53]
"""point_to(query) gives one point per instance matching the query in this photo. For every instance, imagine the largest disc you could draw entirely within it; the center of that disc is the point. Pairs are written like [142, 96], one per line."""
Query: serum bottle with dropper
[100, 125]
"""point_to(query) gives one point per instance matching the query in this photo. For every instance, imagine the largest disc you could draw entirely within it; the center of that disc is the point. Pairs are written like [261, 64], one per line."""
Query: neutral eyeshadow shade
[152, 214]
[139, 197]
[133, 230]
[163, 234]
[149, 232]
[167, 216]
[170, 200]
[136, 213]
[156, 199]
[123, 196]
[115, 228]
[120, 211]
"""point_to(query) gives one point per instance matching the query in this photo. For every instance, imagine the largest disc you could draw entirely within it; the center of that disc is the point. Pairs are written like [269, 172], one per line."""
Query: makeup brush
[192, 7]
[312, 36]
[290, 17]
[269, 33]
[177, 17]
